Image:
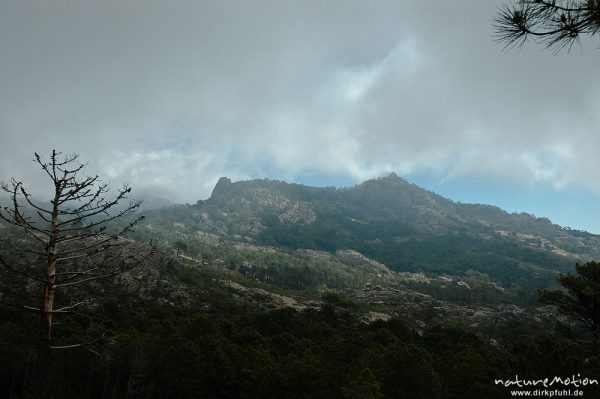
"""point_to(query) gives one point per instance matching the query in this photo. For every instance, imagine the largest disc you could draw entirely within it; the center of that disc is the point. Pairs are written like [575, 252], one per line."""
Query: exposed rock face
[294, 212]
[266, 298]
[356, 258]
[221, 188]
[241, 208]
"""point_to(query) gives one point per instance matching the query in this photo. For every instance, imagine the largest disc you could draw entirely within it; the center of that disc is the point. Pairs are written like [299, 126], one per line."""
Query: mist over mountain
[149, 201]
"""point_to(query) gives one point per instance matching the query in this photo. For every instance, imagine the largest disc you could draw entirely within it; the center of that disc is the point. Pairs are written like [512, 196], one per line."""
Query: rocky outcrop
[357, 259]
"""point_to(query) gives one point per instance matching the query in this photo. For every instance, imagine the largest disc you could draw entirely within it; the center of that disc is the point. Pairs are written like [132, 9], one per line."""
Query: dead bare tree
[70, 243]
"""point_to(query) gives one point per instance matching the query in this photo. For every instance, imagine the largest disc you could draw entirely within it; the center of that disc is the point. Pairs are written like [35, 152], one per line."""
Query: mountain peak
[221, 187]
[390, 180]
[393, 177]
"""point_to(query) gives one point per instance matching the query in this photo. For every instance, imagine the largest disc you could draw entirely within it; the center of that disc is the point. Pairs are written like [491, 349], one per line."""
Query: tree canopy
[582, 299]
[554, 23]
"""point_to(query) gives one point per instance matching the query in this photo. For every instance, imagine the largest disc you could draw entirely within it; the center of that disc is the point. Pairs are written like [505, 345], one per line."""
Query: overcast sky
[171, 95]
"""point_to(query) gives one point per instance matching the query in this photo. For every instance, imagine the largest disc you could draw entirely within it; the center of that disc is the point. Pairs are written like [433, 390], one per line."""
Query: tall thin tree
[70, 242]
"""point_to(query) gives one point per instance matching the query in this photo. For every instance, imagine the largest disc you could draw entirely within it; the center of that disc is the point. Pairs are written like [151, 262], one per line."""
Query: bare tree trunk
[42, 387]
[30, 362]
[42, 369]
[43, 362]
[106, 381]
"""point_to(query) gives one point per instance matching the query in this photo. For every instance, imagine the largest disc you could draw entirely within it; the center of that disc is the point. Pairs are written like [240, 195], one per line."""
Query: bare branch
[80, 190]
[112, 273]
[44, 166]
[101, 245]
[83, 346]
[43, 217]
[27, 196]
[85, 272]
[66, 309]
[35, 236]
[105, 220]
[19, 306]
[19, 272]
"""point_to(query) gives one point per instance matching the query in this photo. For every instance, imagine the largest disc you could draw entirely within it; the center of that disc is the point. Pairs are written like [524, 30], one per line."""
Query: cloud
[171, 95]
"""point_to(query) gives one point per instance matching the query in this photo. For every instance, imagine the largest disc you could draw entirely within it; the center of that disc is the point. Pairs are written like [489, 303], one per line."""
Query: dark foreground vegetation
[219, 348]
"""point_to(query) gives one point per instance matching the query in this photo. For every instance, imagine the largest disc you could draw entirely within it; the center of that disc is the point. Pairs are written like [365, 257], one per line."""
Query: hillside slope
[394, 222]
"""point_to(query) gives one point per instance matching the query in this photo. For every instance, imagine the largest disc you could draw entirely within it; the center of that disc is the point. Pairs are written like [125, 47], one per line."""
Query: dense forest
[219, 347]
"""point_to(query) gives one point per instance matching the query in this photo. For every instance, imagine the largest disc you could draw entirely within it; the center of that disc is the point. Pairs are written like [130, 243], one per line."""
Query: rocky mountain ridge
[399, 225]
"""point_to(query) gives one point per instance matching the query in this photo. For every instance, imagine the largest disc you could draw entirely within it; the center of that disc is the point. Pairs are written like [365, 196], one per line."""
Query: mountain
[311, 286]
[389, 220]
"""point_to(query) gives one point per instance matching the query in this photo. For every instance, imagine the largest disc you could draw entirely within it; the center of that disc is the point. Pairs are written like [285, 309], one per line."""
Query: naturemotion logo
[548, 382]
